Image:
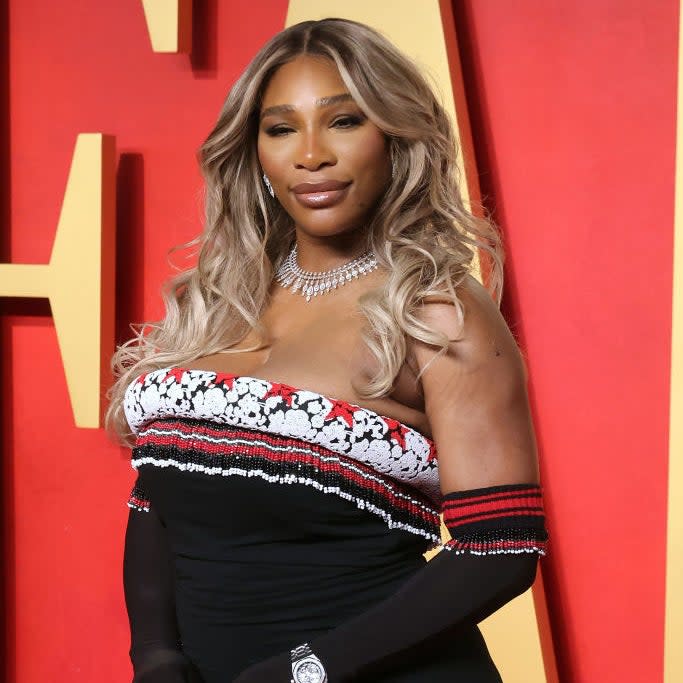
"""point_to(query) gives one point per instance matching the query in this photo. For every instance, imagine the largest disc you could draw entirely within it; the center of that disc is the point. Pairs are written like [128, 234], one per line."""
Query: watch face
[309, 672]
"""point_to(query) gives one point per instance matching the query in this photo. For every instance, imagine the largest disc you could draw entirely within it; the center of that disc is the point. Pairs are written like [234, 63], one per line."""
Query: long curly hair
[421, 231]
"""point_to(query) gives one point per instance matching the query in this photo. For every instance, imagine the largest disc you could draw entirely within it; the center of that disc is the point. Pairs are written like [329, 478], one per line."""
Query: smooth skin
[473, 400]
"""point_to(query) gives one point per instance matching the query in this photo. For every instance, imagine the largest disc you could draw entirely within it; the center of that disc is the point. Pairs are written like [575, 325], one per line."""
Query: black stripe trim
[448, 502]
[486, 490]
[500, 513]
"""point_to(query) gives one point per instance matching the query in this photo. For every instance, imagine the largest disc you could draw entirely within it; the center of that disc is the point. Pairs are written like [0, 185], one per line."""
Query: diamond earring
[269, 187]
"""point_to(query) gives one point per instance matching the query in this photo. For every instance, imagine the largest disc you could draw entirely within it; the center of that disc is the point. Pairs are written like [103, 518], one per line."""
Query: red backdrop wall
[573, 114]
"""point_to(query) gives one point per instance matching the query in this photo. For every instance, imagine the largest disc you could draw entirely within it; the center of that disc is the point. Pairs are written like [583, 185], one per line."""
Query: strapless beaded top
[218, 423]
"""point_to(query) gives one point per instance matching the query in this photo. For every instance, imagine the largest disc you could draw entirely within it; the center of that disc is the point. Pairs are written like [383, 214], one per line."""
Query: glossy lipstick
[320, 195]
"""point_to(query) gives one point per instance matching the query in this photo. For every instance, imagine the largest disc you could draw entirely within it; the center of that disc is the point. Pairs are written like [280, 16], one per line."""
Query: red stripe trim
[230, 432]
[496, 505]
[503, 506]
[337, 466]
[480, 518]
[139, 502]
[233, 433]
[481, 498]
[511, 501]
[167, 438]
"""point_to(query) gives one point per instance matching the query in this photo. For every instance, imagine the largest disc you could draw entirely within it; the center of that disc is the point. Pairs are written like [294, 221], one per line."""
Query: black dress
[287, 513]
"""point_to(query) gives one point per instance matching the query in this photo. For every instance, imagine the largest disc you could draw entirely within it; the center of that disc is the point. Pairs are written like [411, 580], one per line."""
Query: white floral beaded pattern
[387, 445]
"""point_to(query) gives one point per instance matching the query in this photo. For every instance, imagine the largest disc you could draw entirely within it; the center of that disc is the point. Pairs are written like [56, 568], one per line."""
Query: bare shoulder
[475, 395]
[479, 337]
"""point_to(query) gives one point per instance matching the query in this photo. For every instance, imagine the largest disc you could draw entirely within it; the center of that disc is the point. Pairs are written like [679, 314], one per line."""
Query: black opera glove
[497, 533]
[155, 651]
[167, 667]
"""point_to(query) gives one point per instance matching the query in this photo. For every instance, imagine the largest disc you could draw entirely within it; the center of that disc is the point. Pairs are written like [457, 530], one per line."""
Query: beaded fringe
[138, 499]
[499, 541]
[225, 451]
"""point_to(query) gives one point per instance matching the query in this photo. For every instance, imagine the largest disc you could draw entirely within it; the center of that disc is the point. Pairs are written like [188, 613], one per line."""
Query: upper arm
[475, 396]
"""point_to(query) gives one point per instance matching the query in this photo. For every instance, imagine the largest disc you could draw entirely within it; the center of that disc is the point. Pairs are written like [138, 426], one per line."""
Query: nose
[313, 152]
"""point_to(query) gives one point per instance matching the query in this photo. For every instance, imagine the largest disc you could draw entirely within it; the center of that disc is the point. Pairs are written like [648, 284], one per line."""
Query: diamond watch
[306, 667]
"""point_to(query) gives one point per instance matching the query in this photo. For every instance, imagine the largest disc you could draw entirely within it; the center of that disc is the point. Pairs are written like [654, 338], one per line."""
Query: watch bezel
[308, 659]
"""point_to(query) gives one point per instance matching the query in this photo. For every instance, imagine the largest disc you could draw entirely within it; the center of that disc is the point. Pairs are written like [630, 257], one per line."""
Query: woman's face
[328, 164]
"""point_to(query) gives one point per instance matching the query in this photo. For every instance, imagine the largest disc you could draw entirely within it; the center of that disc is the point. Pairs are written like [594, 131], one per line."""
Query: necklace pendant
[311, 284]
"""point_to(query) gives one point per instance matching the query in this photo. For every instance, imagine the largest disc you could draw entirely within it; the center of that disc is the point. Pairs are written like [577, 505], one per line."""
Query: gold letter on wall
[169, 23]
[79, 280]
[673, 658]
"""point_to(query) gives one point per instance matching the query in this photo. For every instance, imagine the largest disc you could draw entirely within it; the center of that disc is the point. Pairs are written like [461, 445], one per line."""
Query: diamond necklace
[313, 283]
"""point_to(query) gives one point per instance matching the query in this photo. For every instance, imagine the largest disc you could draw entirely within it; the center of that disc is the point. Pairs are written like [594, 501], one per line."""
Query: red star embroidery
[142, 378]
[224, 378]
[284, 391]
[343, 410]
[432, 452]
[397, 431]
[176, 373]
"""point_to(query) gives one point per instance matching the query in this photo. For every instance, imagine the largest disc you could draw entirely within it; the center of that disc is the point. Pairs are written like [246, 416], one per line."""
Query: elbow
[528, 572]
[520, 576]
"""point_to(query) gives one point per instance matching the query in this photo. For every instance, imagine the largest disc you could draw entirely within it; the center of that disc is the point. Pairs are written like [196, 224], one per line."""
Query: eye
[278, 131]
[348, 121]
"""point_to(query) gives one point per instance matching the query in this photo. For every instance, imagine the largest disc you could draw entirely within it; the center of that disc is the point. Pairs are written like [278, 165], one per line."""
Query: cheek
[371, 161]
[268, 156]
[264, 155]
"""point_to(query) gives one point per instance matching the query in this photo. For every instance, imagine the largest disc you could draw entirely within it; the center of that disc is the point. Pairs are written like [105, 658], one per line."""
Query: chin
[327, 226]
[327, 230]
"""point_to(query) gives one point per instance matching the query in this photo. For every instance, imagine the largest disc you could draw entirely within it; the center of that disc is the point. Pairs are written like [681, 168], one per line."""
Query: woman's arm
[155, 650]
[476, 401]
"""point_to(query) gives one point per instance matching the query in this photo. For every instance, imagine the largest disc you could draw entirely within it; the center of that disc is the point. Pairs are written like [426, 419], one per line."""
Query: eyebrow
[322, 102]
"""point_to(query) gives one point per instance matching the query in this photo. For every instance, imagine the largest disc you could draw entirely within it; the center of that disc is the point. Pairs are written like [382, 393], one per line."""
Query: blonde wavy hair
[421, 231]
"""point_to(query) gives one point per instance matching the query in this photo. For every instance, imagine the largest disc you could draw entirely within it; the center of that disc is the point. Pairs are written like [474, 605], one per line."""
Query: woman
[326, 381]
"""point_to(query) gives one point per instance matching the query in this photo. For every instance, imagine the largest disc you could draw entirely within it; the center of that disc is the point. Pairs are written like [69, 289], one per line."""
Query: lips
[322, 186]
[322, 194]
